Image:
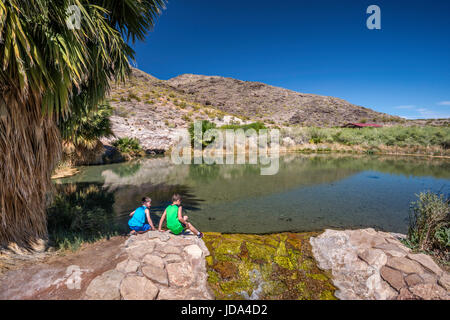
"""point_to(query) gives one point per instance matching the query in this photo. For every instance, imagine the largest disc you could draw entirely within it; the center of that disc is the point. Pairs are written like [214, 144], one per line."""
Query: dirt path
[50, 276]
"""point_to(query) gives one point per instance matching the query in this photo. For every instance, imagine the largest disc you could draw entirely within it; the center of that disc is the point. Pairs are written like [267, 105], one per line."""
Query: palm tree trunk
[30, 147]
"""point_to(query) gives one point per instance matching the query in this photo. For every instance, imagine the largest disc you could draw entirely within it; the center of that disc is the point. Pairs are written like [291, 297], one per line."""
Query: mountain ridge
[155, 110]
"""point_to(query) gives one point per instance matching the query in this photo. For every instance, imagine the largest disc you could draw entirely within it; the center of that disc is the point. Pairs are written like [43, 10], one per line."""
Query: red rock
[393, 277]
[426, 261]
[429, 291]
[413, 279]
[392, 249]
[405, 294]
[404, 264]
[374, 257]
[444, 281]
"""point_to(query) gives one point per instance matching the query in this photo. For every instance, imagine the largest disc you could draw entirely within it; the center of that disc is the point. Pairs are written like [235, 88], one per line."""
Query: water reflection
[310, 192]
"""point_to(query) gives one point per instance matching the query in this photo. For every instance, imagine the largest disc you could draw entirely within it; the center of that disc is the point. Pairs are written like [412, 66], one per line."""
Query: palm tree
[50, 72]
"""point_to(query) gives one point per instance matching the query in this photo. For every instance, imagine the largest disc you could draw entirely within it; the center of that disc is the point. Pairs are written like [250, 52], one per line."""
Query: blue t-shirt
[138, 218]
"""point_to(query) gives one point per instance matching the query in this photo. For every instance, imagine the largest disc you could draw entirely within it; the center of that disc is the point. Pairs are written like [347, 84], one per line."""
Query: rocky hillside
[259, 101]
[154, 110]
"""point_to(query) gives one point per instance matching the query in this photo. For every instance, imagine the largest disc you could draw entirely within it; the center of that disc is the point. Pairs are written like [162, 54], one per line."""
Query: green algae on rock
[273, 266]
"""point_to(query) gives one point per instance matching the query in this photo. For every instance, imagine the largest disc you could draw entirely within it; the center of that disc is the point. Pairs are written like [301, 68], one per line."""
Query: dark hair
[176, 197]
[146, 199]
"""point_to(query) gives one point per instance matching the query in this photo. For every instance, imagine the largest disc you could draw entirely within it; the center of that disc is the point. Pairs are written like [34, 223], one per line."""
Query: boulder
[201, 293]
[163, 236]
[194, 251]
[429, 291]
[171, 258]
[405, 294]
[137, 250]
[413, 279]
[156, 274]
[105, 286]
[393, 277]
[426, 261]
[180, 274]
[170, 250]
[374, 257]
[128, 266]
[444, 281]
[138, 288]
[392, 249]
[366, 238]
[153, 260]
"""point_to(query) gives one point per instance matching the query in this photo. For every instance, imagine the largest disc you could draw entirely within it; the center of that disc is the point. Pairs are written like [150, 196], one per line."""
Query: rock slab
[370, 264]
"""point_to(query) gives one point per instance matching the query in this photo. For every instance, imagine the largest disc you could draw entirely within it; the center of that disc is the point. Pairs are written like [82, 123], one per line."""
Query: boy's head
[146, 201]
[176, 199]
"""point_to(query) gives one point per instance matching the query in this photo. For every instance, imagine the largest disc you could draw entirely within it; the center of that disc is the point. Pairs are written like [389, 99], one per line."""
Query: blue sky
[314, 46]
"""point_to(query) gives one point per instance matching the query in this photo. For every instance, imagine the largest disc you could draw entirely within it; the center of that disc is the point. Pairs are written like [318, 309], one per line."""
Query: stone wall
[158, 265]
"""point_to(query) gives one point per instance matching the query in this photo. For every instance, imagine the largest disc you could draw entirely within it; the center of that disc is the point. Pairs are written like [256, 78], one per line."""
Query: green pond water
[309, 193]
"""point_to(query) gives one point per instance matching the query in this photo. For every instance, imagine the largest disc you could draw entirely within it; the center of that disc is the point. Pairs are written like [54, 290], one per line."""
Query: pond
[309, 193]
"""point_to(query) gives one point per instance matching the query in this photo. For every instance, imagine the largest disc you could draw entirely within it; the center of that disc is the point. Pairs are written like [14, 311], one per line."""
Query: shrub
[132, 95]
[255, 125]
[206, 125]
[429, 225]
[85, 129]
[80, 213]
[317, 135]
[128, 145]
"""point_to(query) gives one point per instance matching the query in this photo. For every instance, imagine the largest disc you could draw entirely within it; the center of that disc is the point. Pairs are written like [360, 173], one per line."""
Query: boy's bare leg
[192, 228]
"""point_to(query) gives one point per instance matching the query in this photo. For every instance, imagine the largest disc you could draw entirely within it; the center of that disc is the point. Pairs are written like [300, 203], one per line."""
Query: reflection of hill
[231, 182]
[407, 165]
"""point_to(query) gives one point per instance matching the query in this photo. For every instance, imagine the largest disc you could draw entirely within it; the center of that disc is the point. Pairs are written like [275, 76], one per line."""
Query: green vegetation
[255, 125]
[128, 145]
[272, 266]
[80, 213]
[372, 137]
[85, 129]
[429, 225]
[206, 125]
[134, 96]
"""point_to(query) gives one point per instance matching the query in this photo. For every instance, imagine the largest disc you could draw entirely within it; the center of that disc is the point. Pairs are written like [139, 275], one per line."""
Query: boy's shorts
[145, 227]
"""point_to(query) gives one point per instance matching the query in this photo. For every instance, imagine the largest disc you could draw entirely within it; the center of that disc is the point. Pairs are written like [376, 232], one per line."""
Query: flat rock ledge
[375, 265]
[158, 265]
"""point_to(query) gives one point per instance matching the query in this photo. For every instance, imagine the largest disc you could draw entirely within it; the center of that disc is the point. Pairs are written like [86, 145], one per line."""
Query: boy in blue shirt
[137, 222]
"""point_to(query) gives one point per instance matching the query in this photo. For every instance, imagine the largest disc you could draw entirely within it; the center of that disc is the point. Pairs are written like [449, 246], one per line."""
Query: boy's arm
[147, 213]
[162, 220]
[131, 214]
[180, 215]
